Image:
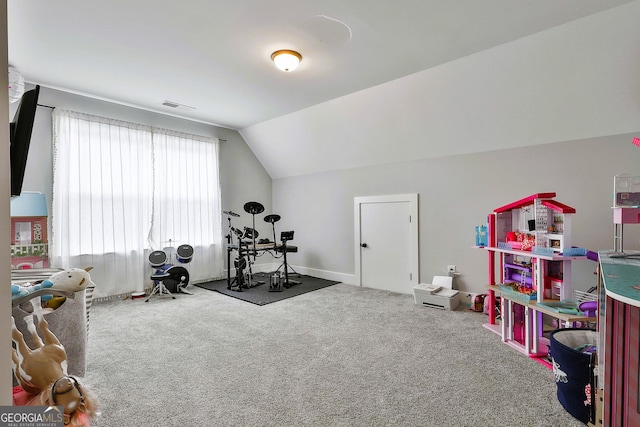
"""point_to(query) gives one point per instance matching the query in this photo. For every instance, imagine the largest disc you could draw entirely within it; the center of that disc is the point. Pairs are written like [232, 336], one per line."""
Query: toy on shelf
[42, 376]
[590, 308]
[519, 292]
[564, 306]
[481, 236]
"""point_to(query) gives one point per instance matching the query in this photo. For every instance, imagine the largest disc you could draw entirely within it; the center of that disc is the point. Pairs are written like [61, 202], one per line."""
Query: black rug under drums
[260, 295]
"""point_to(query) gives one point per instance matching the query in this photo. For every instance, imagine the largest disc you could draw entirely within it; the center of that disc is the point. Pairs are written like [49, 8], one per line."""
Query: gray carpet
[339, 356]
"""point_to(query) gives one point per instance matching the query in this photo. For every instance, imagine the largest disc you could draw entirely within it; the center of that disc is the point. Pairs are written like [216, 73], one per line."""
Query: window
[123, 190]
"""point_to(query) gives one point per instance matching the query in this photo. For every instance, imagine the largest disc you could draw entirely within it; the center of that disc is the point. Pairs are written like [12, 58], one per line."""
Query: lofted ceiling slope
[212, 58]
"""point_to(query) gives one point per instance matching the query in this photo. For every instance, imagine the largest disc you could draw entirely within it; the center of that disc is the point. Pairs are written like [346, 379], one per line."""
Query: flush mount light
[286, 60]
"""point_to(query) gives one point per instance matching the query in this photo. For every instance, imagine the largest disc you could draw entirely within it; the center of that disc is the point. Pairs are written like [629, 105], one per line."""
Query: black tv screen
[20, 137]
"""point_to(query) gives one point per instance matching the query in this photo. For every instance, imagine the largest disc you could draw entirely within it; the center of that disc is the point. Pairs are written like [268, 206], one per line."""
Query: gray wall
[455, 194]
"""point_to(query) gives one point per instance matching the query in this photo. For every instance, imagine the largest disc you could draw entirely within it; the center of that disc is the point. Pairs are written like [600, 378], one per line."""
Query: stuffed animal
[42, 373]
[70, 280]
[18, 291]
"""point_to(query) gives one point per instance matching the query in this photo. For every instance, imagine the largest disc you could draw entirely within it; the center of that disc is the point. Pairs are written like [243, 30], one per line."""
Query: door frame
[412, 198]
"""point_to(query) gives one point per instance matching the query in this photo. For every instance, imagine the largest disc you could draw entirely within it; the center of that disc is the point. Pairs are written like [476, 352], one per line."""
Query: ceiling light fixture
[286, 60]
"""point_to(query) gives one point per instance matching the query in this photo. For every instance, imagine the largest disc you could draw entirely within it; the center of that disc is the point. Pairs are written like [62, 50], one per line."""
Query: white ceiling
[213, 57]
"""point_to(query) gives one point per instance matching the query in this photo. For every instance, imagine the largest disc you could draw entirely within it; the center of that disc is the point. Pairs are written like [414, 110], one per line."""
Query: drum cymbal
[272, 218]
[231, 213]
[253, 207]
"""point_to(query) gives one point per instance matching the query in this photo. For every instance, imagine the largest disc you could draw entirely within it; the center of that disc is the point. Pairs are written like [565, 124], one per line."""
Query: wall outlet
[451, 268]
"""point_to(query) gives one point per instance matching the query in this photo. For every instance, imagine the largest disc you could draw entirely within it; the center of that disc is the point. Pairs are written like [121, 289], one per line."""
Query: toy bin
[573, 356]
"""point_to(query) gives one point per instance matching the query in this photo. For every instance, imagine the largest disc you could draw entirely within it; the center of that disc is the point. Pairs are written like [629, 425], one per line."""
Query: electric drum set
[169, 278]
[248, 247]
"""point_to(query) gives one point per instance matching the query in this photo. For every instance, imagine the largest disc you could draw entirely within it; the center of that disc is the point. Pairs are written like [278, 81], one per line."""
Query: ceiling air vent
[170, 104]
[176, 105]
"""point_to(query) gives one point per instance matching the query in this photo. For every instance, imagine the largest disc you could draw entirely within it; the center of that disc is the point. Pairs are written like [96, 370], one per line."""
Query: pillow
[528, 241]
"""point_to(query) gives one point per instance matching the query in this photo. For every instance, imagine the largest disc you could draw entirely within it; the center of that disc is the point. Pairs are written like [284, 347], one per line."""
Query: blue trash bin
[573, 357]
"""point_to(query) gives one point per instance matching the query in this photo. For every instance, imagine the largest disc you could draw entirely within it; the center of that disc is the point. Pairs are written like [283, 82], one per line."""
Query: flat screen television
[20, 137]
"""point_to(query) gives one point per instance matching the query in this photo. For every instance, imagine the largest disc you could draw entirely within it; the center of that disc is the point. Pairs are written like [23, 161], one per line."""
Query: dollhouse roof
[29, 204]
[558, 207]
[548, 202]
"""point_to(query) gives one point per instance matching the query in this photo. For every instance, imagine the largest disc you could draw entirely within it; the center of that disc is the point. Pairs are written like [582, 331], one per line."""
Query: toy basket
[573, 358]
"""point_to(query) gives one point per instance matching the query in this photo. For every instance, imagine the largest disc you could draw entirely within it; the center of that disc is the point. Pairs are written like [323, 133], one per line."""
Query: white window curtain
[186, 200]
[115, 200]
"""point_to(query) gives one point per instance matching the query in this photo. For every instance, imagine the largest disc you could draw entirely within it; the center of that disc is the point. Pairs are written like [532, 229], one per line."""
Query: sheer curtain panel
[186, 200]
[121, 190]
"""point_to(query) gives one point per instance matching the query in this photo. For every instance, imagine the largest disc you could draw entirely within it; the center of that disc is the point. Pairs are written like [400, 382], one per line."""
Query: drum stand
[273, 218]
[248, 273]
[240, 264]
[290, 270]
[253, 208]
[244, 275]
[230, 230]
[285, 236]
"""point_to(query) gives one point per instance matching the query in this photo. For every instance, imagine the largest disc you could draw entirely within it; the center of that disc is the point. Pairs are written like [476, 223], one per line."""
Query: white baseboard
[349, 279]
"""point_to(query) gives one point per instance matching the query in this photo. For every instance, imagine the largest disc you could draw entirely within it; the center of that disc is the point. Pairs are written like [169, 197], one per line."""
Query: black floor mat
[260, 295]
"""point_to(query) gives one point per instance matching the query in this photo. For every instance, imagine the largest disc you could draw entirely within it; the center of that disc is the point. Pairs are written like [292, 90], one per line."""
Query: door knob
[364, 245]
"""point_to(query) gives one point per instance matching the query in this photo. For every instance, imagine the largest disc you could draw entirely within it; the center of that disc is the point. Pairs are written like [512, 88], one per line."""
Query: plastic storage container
[482, 239]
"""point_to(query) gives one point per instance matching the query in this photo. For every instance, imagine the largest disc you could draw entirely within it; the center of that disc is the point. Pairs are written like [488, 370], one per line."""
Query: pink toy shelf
[530, 253]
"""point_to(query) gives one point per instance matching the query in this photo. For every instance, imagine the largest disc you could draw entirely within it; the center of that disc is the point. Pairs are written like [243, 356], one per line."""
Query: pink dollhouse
[530, 255]
[29, 242]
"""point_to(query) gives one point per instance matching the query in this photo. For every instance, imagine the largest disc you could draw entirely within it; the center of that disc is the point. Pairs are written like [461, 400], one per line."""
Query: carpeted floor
[262, 295]
[342, 356]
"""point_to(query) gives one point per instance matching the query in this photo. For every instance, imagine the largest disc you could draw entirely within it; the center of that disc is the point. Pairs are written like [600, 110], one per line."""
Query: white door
[388, 259]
